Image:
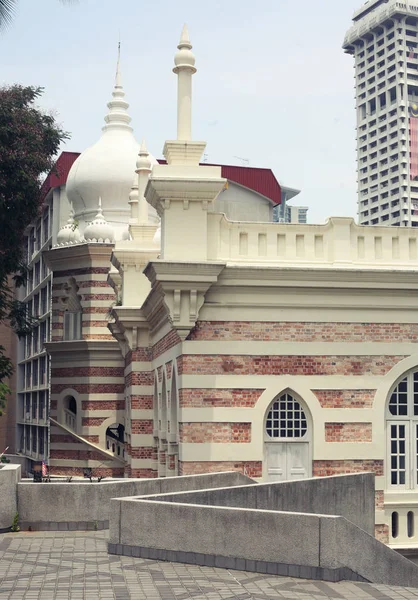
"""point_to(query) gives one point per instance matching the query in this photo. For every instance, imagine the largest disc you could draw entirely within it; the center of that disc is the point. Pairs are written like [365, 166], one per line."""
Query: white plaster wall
[240, 204]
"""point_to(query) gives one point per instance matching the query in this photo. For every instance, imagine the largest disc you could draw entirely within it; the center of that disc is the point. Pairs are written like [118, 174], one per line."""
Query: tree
[8, 7]
[29, 141]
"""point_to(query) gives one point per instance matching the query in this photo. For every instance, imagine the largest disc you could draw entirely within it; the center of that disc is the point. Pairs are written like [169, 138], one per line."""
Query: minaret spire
[184, 69]
[118, 78]
[117, 117]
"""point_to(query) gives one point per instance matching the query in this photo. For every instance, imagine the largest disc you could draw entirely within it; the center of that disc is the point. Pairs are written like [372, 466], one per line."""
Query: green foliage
[15, 523]
[29, 142]
[4, 393]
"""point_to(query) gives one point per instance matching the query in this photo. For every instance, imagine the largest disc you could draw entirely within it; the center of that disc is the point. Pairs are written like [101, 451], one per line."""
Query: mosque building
[190, 333]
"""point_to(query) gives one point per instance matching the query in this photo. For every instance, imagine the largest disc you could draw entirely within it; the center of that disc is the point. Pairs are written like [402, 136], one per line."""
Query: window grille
[402, 434]
[286, 419]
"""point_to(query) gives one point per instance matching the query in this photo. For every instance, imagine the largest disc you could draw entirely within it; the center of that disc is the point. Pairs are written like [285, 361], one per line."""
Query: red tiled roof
[58, 176]
[261, 181]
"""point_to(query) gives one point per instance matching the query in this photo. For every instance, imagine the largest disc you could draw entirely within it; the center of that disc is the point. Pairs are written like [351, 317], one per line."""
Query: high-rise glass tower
[384, 42]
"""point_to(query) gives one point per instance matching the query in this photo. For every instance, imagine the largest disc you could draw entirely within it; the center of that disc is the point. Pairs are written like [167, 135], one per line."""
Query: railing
[338, 243]
[69, 419]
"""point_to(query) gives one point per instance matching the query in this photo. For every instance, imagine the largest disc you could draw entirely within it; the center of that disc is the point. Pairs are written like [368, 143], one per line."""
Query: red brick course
[144, 473]
[201, 398]
[87, 372]
[305, 332]
[79, 471]
[345, 398]
[142, 426]
[139, 378]
[169, 369]
[199, 433]
[168, 341]
[323, 468]
[77, 455]
[249, 468]
[89, 388]
[103, 405]
[83, 271]
[92, 421]
[348, 432]
[379, 499]
[142, 452]
[288, 365]
[142, 402]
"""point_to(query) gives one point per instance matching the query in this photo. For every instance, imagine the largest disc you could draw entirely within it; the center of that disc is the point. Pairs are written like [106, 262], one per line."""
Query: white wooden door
[287, 460]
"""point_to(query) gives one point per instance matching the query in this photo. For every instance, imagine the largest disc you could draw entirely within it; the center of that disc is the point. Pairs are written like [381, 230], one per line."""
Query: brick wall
[249, 468]
[199, 433]
[229, 398]
[348, 432]
[323, 468]
[288, 365]
[168, 341]
[305, 332]
[381, 532]
[345, 398]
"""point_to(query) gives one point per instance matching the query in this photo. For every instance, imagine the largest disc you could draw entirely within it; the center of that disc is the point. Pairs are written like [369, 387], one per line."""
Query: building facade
[384, 43]
[189, 338]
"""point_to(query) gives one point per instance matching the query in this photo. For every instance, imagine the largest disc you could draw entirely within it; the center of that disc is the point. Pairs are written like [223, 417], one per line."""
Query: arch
[287, 432]
[401, 426]
[69, 409]
[115, 439]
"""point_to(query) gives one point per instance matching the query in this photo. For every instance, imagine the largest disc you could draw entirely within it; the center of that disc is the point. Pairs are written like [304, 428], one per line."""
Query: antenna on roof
[245, 162]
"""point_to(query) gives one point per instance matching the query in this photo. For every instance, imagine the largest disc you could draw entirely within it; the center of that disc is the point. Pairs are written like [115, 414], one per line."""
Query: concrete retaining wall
[83, 505]
[182, 527]
[9, 478]
[348, 496]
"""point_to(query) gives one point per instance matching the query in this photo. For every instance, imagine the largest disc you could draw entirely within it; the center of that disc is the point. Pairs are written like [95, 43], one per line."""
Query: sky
[273, 85]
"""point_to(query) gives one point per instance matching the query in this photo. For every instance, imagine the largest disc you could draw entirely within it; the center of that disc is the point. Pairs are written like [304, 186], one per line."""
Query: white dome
[106, 169]
[99, 230]
[69, 233]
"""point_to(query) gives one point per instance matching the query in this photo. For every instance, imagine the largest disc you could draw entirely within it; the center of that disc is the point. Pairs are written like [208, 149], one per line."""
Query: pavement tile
[74, 565]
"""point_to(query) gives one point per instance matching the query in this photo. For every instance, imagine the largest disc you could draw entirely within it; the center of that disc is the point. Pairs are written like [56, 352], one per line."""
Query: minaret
[117, 117]
[184, 69]
[184, 150]
[143, 169]
[182, 191]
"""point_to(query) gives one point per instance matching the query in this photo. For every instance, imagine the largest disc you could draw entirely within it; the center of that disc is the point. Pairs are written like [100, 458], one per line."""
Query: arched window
[287, 440]
[70, 412]
[286, 419]
[402, 433]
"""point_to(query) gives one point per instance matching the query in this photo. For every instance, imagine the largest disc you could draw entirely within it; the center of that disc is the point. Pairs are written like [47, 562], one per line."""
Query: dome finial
[99, 230]
[184, 69]
[69, 233]
[184, 38]
[117, 117]
[118, 78]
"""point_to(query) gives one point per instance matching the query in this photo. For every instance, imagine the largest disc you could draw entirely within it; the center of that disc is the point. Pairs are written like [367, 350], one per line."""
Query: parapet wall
[340, 242]
[343, 495]
[245, 530]
[83, 505]
[9, 479]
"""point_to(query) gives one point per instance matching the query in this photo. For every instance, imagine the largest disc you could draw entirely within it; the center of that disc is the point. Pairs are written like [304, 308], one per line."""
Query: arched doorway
[287, 439]
[70, 412]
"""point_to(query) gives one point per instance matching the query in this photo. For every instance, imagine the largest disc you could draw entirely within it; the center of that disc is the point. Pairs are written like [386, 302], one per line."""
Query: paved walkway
[76, 566]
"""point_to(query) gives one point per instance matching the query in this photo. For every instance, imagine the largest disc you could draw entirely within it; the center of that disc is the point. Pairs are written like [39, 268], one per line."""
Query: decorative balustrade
[338, 243]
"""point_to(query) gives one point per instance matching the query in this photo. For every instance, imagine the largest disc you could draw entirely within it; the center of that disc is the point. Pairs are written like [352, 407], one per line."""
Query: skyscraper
[383, 40]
